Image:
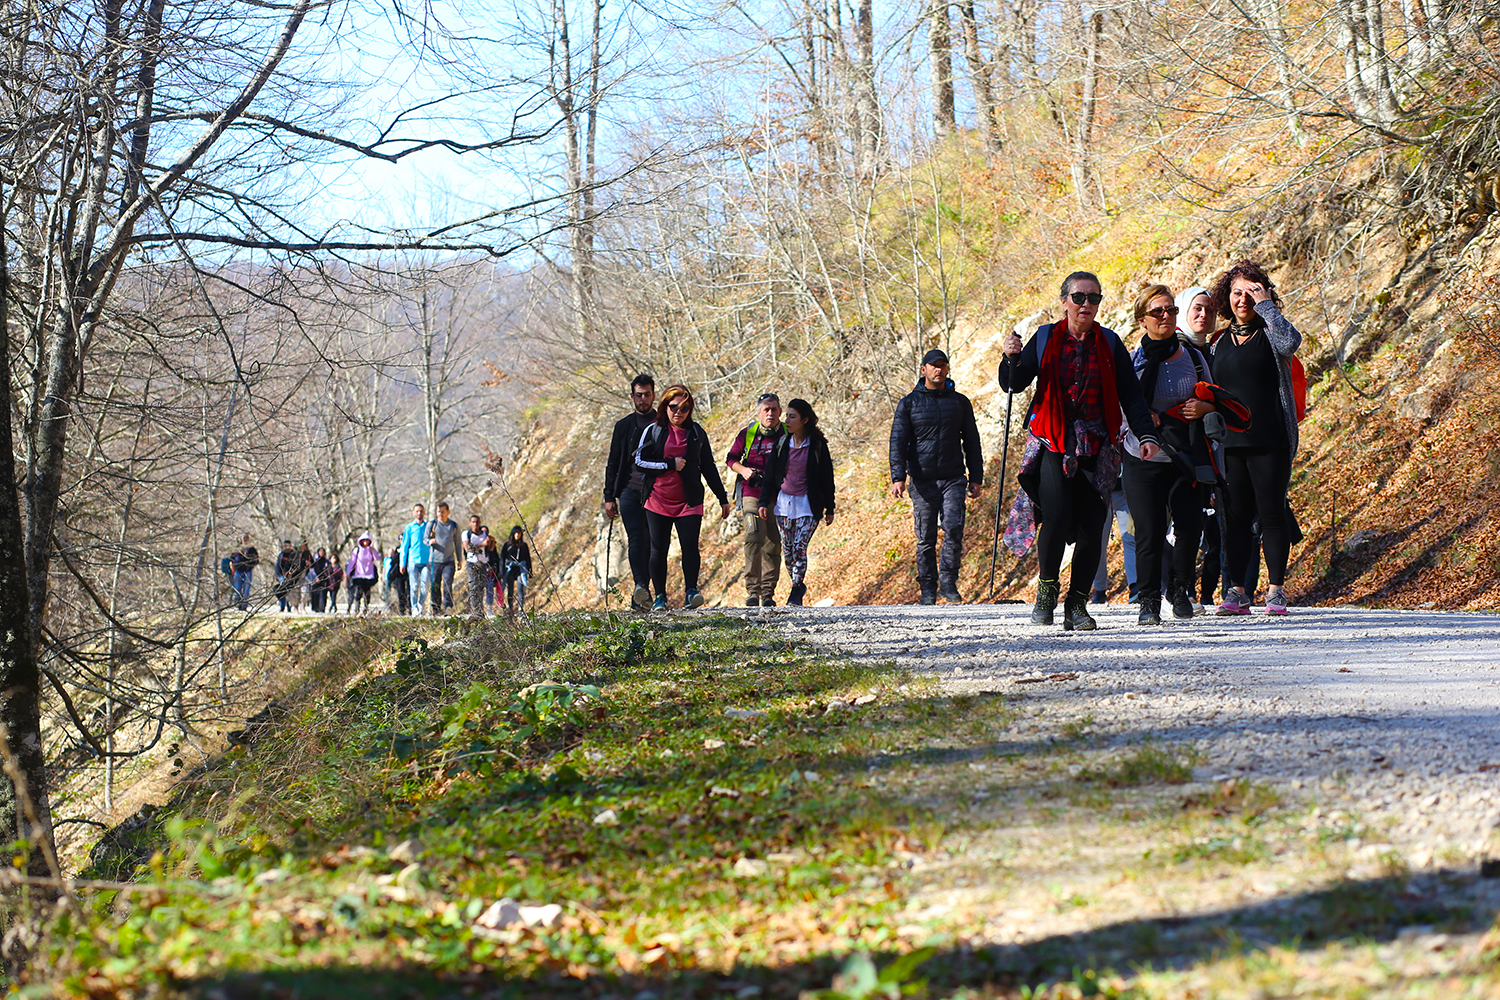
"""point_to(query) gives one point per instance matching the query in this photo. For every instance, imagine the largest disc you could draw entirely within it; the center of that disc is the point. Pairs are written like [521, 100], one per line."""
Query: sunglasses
[1162, 312]
[679, 407]
[1092, 298]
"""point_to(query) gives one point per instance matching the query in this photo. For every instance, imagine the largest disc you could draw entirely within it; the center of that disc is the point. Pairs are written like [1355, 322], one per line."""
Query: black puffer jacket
[934, 436]
[819, 476]
[699, 458]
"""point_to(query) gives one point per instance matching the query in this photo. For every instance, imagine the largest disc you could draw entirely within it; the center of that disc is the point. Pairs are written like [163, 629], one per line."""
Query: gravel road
[1393, 716]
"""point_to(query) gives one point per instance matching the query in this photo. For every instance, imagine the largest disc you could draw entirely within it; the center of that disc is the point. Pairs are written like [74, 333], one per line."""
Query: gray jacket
[1284, 340]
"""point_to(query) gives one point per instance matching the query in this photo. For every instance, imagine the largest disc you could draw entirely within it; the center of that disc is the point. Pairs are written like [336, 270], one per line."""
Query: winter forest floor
[733, 804]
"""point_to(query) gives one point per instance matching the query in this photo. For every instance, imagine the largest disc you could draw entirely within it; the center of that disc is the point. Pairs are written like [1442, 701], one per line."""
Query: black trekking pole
[609, 550]
[1010, 399]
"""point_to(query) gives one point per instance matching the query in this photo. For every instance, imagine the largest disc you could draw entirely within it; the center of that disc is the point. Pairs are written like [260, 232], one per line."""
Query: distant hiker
[363, 569]
[442, 539]
[320, 584]
[798, 490]
[288, 574]
[1084, 379]
[304, 578]
[1159, 489]
[476, 564]
[515, 567]
[936, 456]
[415, 559]
[1250, 359]
[335, 580]
[242, 563]
[397, 583]
[1196, 321]
[677, 457]
[623, 479]
[493, 573]
[748, 458]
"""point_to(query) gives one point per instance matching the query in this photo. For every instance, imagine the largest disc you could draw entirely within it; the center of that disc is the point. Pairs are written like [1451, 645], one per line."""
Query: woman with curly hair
[1251, 359]
[676, 458]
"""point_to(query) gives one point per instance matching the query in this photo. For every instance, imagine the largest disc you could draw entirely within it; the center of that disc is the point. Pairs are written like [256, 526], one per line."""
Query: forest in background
[799, 195]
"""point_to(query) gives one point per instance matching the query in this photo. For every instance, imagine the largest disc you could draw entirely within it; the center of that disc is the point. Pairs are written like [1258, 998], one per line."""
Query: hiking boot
[768, 601]
[753, 601]
[1150, 611]
[1076, 612]
[794, 599]
[660, 604]
[1098, 597]
[694, 599]
[948, 591]
[1235, 603]
[928, 596]
[1182, 604]
[1275, 601]
[1046, 602]
[640, 599]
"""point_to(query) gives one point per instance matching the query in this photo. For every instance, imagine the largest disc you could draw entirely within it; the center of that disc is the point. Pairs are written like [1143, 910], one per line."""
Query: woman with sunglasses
[675, 457]
[1085, 381]
[1251, 360]
[1158, 490]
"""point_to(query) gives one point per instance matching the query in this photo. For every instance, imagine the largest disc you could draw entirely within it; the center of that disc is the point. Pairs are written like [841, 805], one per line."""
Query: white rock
[545, 917]
[811, 777]
[743, 713]
[405, 852]
[723, 791]
[751, 867]
[826, 602]
[270, 875]
[864, 699]
[502, 913]
[607, 818]
[712, 744]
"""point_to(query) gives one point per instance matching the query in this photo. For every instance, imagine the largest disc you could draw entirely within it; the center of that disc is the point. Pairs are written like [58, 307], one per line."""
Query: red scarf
[1047, 411]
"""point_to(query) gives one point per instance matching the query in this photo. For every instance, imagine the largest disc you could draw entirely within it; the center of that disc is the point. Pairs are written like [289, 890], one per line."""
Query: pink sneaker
[1276, 602]
[1235, 603]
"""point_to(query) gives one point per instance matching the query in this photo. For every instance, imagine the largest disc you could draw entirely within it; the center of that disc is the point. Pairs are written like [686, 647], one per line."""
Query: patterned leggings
[796, 533]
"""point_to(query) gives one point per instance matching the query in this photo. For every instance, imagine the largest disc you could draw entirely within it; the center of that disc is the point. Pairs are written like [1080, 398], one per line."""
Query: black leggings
[1073, 510]
[1255, 489]
[688, 527]
[1153, 491]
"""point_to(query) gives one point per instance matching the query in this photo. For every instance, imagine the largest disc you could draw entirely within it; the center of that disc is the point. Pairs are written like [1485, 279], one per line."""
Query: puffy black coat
[934, 436]
[819, 476]
[619, 466]
[700, 464]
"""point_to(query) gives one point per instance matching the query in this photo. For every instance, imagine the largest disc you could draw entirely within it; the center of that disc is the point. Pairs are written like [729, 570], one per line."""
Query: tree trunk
[866, 99]
[24, 812]
[1092, 28]
[940, 55]
[1275, 30]
[981, 78]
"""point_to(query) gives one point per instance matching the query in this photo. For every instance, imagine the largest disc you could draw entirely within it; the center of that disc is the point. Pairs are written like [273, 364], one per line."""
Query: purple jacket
[365, 561]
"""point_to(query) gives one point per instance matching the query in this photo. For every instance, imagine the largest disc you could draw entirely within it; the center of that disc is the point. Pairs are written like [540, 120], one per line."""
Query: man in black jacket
[936, 456]
[622, 486]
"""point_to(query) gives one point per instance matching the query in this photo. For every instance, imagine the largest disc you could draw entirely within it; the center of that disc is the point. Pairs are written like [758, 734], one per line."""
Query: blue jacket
[414, 550]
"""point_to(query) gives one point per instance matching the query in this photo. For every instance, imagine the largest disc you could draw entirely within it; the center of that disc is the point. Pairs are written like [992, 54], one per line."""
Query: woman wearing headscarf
[676, 457]
[1085, 383]
[363, 570]
[1160, 490]
[1196, 321]
[798, 490]
[1252, 360]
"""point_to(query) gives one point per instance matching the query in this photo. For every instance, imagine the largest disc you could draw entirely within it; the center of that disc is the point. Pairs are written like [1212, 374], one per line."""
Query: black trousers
[688, 528]
[1208, 581]
[938, 503]
[1158, 495]
[1255, 489]
[1072, 510]
[638, 534]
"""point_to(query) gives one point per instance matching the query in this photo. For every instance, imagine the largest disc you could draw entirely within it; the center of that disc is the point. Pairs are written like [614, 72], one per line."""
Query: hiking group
[1187, 440]
[419, 571]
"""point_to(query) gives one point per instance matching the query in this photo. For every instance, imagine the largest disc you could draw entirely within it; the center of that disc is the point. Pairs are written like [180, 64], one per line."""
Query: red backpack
[1299, 386]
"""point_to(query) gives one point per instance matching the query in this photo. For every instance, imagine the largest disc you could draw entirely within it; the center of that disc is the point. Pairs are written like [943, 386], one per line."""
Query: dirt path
[1373, 736]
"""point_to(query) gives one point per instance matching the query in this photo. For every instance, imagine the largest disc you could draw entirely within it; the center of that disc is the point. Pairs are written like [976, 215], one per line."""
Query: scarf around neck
[1156, 352]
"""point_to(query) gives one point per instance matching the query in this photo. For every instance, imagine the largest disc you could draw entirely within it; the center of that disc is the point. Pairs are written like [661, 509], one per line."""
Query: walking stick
[609, 550]
[1010, 399]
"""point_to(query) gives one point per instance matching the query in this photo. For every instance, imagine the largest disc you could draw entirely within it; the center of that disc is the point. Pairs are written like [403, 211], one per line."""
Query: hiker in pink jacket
[363, 569]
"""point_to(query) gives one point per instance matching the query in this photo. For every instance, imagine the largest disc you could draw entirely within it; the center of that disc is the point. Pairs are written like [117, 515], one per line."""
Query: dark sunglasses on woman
[1092, 298]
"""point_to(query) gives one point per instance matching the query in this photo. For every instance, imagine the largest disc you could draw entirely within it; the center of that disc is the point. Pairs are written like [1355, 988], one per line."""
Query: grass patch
[688, 794]
[1145, 764]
